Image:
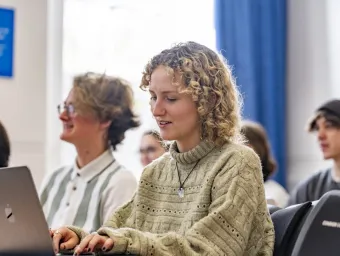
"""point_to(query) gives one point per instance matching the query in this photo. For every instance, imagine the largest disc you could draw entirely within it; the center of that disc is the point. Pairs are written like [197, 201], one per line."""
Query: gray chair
[287, 225]
[320, 233]
[272, 208]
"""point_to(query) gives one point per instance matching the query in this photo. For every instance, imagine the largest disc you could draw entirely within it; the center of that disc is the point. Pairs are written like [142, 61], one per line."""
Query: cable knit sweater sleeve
[237, 222]
[116, 221]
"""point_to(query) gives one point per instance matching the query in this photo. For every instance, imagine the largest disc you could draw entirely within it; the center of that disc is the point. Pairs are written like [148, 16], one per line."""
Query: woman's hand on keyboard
[94, 242]
[64, 239]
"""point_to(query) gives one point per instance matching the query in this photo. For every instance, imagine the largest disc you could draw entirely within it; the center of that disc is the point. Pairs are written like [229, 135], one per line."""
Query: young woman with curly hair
[204, 197]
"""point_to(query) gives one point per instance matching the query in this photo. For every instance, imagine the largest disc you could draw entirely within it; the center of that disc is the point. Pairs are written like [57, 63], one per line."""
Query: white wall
[333, 23]
[27, 100]
[313, 77]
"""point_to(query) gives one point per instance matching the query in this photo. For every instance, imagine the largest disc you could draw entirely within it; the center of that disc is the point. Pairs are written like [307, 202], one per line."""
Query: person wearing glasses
[206, 195]
[151, 147]
[95, 116]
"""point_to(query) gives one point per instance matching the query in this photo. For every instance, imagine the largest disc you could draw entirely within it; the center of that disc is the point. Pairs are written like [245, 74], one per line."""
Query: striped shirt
[86, 197]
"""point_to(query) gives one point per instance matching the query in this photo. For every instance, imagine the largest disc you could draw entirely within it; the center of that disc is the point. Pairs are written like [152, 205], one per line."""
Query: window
[119, 37]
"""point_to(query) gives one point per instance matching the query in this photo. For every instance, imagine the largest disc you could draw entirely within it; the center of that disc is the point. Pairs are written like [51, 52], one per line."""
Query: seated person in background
[5, 148]
[95, 116]
[204, 197]
[326, 125]
[151, 147]
[257, 139]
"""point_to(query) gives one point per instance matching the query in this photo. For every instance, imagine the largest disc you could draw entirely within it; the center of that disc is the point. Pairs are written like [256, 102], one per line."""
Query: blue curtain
[251, 34]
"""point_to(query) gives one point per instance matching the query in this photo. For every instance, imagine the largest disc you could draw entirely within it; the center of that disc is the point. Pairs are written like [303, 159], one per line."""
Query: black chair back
[320, 234]
[272, 208]
[287, 224]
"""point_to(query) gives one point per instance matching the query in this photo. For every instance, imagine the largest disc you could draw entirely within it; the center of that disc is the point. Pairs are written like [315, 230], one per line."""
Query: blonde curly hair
[207, 77]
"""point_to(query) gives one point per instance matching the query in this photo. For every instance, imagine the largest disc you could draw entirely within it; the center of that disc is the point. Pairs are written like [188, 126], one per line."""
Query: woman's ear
[105, 125]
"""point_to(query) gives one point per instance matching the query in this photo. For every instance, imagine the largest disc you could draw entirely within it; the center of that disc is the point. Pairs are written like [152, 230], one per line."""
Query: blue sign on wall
[6, 42]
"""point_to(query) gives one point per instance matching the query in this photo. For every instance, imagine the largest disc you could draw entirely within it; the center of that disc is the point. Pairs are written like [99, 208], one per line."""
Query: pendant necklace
[180, 190]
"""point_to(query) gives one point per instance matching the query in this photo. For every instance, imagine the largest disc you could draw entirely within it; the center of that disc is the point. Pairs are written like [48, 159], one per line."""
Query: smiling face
[210, 109]
[77, 127]
[175, 112]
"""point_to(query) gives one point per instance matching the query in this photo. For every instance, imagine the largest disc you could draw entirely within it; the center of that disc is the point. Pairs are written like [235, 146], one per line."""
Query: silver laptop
[23, 228]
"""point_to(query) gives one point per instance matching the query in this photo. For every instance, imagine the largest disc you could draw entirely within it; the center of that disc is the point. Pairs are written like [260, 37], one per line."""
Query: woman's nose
[63, 116]
[157, 108]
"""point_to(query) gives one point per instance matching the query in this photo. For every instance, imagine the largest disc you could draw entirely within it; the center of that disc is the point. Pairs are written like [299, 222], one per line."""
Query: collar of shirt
[95, 167]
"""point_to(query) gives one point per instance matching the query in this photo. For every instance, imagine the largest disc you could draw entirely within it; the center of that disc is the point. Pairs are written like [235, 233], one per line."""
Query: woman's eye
[171, 99]
[153, 98]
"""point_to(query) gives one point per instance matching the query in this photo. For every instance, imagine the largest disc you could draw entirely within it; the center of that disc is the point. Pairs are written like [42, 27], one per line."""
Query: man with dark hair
[5, 150]
[326, 124]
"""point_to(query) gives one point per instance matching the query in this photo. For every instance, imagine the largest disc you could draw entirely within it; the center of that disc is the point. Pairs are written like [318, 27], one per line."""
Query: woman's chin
[65, 137]
[167, 136]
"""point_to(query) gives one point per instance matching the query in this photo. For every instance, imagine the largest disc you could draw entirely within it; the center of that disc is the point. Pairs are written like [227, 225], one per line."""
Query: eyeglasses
[147, 150]
[69, 108]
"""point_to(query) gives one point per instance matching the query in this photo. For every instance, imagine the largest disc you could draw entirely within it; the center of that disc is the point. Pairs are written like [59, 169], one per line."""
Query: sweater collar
[195, 154]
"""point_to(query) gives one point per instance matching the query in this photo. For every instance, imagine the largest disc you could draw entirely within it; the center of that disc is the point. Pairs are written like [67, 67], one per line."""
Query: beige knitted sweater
[223, 211]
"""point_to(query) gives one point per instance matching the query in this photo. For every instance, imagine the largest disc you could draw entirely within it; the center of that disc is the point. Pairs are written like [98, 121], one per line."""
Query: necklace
[180, 190]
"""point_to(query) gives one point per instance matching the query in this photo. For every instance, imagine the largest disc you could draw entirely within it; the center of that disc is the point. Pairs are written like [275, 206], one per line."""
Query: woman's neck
[87, 154]
[187, 145]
